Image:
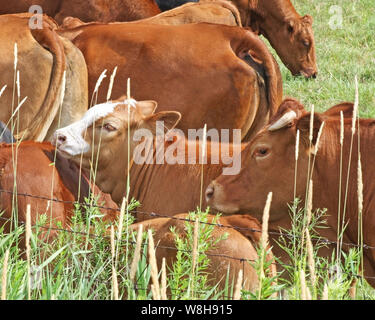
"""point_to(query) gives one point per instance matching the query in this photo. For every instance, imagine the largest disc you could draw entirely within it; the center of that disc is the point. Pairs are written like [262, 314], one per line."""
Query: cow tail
[43, 119]
[249, 41]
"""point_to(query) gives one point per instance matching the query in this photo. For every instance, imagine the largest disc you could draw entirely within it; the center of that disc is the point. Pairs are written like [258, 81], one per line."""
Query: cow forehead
[97, 112]
[102, 110]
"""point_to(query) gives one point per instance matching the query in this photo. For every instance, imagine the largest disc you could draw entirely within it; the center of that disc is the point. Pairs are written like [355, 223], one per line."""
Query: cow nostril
[61, 138]
[209, 192]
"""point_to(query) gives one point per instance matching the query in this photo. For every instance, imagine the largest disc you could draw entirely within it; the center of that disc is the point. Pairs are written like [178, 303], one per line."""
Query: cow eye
[109, 127]
[261, 152]
[306, 43]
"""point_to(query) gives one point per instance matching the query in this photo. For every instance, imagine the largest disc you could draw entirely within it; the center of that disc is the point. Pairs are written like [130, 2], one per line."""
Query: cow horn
[283, 121]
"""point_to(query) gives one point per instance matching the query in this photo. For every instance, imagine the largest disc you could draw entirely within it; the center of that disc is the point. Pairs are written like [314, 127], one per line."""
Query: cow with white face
[113, 140]
[102, 136]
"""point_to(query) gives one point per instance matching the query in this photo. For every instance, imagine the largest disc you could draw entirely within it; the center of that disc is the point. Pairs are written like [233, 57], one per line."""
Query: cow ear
[165, 119]
[345, 107]
[303, 125]
[147, 108]
[308, 19]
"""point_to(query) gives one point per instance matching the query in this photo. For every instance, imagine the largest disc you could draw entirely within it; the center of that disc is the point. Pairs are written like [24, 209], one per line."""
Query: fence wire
[158, 215]
[153, 214]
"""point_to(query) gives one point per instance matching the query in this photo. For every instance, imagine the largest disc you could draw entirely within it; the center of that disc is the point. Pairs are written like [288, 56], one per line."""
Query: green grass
[341, 54]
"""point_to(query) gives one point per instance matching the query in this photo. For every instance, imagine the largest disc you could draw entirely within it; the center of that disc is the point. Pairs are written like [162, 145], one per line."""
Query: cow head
[268, 165]
[102, 134]
[293, 39]
[289, 34]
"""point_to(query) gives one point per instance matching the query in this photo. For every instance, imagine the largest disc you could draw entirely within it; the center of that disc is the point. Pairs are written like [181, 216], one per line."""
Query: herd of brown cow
[198, 64]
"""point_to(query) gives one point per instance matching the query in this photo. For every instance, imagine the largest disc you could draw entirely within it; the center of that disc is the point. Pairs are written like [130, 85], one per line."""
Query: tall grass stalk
[163, 289]
[204, 145]
[120, 228]
[154, 266]
[2, 90]
[308, 213]
[137, 253]
[360, 209]
[18, 100]
[303, 286]
[238, 288]
[310, 259]
[28, 249]
[325, 292]
[14, 155]
[264, 241]
[360, 191]
[94, 97]
[194, 255]
[311, 131]
[111, 81]
[296, 164]
[355, 111]
[15, 51]
[114, 273]
[338, 254]
[4, 276]
[295, 181]
[128, 172]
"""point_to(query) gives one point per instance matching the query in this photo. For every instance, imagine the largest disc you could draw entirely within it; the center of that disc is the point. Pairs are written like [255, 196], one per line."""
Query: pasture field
[90, 262]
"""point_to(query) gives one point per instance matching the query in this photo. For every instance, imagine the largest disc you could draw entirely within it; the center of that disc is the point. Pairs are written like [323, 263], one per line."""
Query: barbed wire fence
[158, 215]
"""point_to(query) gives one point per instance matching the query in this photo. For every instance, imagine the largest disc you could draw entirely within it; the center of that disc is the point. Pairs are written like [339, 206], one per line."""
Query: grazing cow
[289, 34]
[214, 87]
[103, 133]
[36, 176]
[42, 58]
[90, 10]
[229, 254]
[268, 164]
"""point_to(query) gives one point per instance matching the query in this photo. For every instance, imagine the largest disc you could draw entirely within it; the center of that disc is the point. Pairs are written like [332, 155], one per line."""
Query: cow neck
[282, 8]
[326, 187]
[141, 174]
[112, 178]
[267, 20]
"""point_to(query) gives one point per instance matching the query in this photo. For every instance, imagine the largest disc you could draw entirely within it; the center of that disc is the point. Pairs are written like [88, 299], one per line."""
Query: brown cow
[268, 164]
[289, 34]
[36, 176]
[103, 133]
[228, 254]
[42, 58]
[218, 11]
[214, 87]
[89, 10]
[292, 45]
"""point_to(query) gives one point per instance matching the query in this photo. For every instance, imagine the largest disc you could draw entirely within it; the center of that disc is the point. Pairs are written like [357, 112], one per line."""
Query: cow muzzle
[309, 73]
[68, 144]
[215, 198]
